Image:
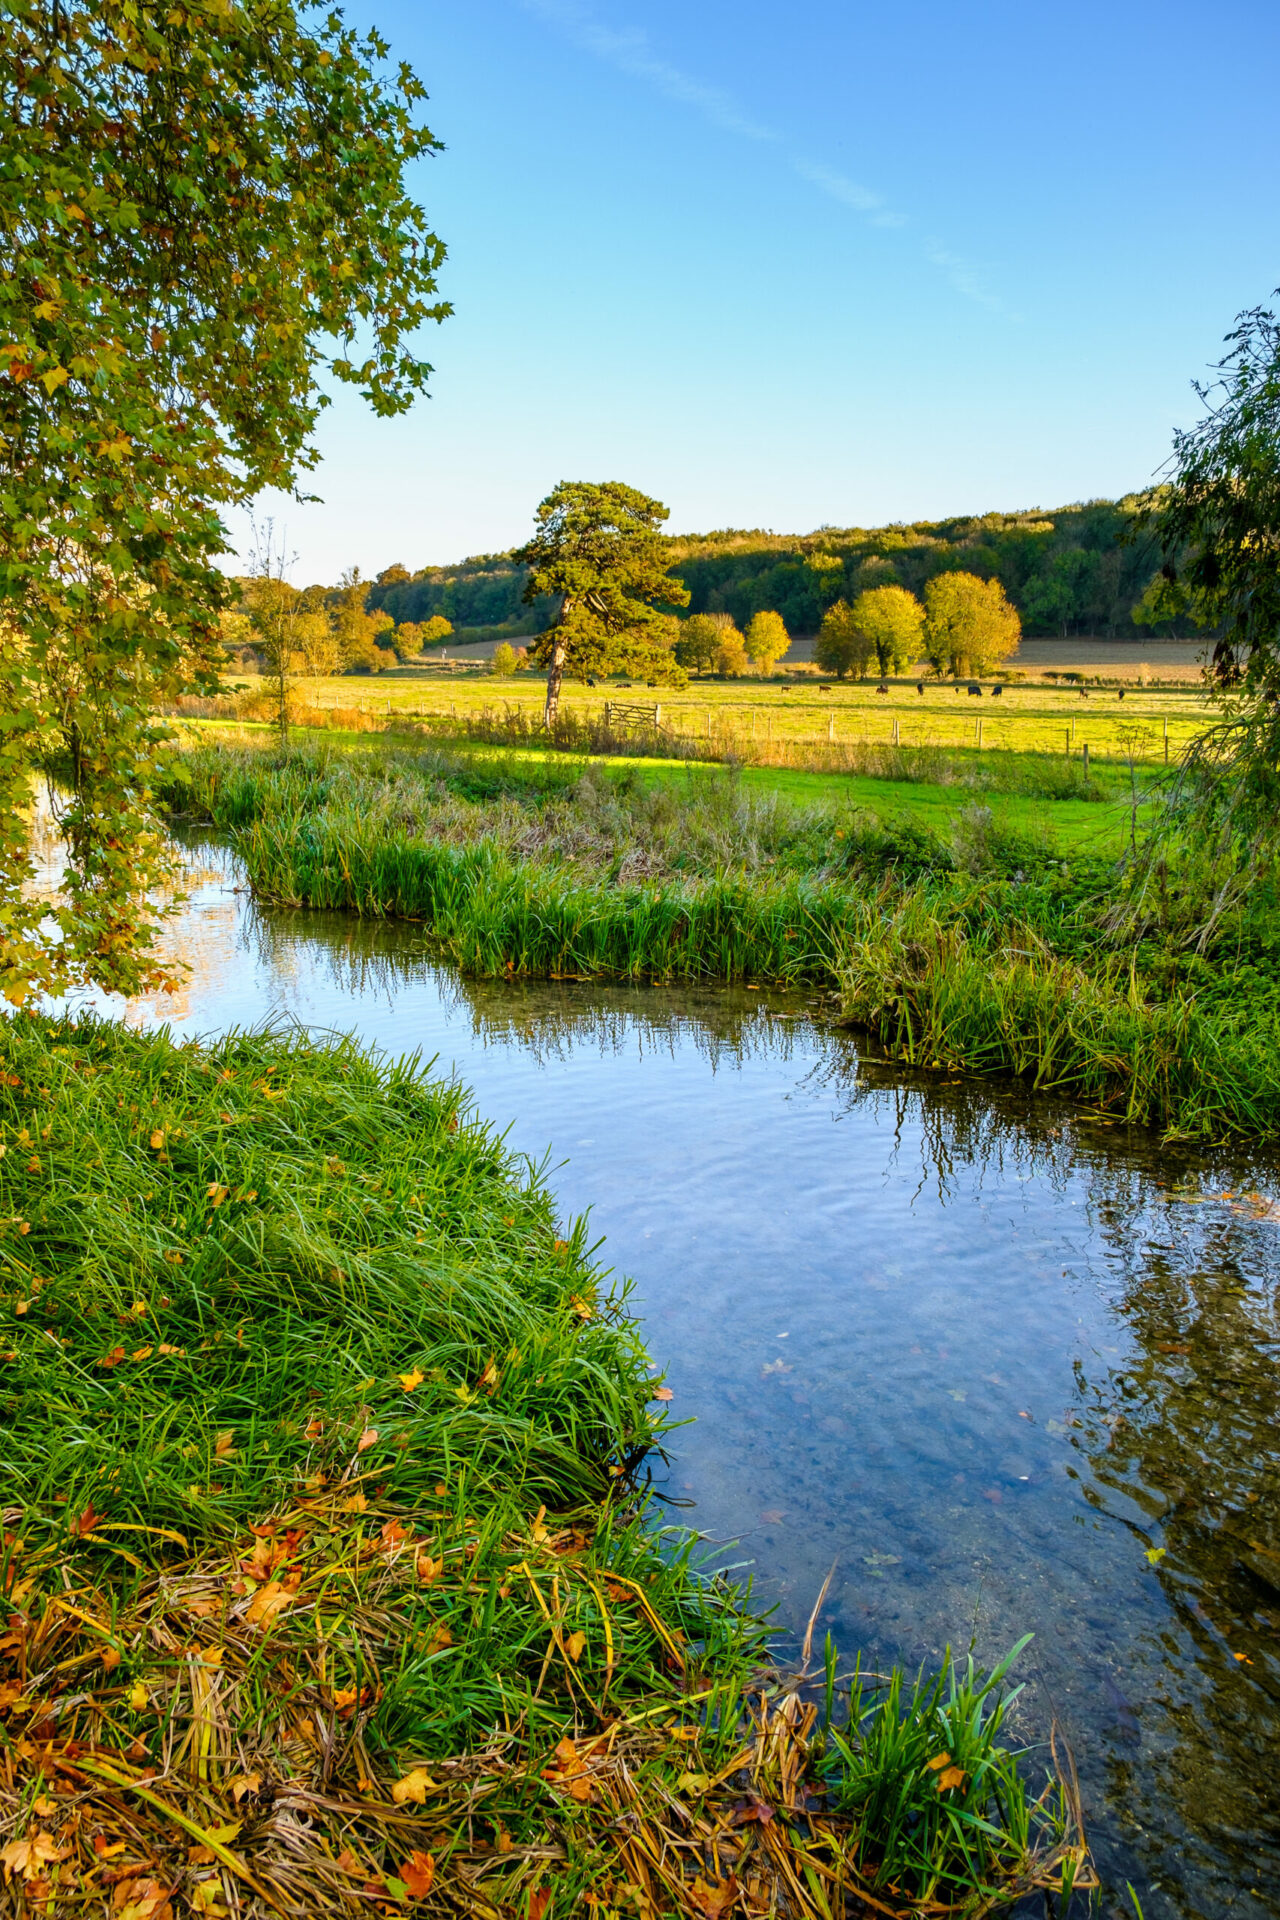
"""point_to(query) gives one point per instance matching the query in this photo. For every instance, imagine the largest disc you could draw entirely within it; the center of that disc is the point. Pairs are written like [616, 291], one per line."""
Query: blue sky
[822, 262]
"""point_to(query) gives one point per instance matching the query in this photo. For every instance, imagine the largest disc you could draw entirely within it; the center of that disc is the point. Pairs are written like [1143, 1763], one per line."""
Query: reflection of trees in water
[1183, 1447]
[1179, 1442]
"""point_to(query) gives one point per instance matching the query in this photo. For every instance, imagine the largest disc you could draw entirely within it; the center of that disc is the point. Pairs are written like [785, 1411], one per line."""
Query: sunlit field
[1147, 723]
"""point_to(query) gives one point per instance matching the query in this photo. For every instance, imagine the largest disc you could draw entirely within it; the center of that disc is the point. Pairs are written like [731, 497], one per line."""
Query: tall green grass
[980, 951]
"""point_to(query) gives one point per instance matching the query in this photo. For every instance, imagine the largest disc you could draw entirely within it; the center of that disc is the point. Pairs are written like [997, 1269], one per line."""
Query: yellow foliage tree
[970, 626]
[767, 641]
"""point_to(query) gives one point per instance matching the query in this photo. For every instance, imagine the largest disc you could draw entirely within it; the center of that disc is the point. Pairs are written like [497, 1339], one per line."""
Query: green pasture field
[1025, 718]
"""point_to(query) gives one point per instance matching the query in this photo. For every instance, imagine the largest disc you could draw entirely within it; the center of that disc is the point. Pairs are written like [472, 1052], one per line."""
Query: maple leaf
[30, 1857]
[413, 1787]
[951, 1778]
[112, 1359]
[417, 1872]
[411, 1380]
[429, 1570]
[662, 1393]
[243, 1784]
[267, 1603]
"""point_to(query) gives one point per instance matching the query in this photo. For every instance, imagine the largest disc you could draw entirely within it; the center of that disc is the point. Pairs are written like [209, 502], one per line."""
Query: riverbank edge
[259, 1295]
[957, 973]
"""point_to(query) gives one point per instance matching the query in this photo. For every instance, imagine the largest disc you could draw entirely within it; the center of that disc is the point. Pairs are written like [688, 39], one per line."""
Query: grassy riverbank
[974, 946]
[328, 1589]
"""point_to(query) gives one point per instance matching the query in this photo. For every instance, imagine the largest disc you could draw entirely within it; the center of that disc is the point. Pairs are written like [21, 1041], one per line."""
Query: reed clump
[329, 1585]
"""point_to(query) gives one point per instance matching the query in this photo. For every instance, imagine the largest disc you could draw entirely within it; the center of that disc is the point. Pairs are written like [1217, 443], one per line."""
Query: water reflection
[1008, 1370]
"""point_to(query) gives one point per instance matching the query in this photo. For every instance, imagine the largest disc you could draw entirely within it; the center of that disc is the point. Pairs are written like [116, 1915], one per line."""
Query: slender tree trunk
[555, 673]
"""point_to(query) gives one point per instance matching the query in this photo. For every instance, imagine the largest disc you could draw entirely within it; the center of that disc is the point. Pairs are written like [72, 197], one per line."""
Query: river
[1005, 1368]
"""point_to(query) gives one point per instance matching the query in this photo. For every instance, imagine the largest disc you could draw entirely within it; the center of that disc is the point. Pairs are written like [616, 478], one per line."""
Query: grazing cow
[882, 688]
[974, 688]
[996, 692]
[920, 688]
[1084, 693]
[822, 689]
[1120, 695]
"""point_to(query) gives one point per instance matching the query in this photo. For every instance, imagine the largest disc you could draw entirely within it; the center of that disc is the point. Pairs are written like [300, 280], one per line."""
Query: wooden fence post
[979, 738]
[831, 726]
[1086, 763]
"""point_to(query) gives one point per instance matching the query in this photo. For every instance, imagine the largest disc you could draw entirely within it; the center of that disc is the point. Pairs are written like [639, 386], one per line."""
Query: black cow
[996, 692]
[974, 688]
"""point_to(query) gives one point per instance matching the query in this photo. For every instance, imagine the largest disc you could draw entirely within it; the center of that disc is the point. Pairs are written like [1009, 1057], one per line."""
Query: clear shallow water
[979, 1354]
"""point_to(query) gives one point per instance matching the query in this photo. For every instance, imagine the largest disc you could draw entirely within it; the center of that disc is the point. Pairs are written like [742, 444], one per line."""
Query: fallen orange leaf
[368, 1438]
[157, 1139]
[417, 1872]
[662, 1393]
[223, 1446]
[574, 1645]
[953, 1777]
[411, 1380]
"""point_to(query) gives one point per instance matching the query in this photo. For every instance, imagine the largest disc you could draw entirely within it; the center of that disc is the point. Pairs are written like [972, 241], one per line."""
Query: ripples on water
[1006, 1368]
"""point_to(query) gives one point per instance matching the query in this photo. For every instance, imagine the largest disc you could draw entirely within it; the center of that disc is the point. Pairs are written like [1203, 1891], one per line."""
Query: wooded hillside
[1069, 570]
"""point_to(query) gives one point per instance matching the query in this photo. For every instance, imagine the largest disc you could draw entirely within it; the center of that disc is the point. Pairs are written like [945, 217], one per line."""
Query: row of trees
[965, 626]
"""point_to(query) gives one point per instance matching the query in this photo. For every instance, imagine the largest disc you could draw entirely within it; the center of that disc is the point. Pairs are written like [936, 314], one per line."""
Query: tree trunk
[555, 673]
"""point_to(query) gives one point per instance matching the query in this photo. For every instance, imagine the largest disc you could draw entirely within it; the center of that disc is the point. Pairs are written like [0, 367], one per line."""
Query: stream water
[1006, 1369]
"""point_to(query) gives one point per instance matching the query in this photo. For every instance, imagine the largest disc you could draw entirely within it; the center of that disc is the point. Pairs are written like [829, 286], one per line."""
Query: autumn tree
[698, 640]
[767, 639]
[730, 656]
[842, 647]
[598, 553]
[969, 625]
[504, 659]
[202, 209]
[434, 630]
[893, 621]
